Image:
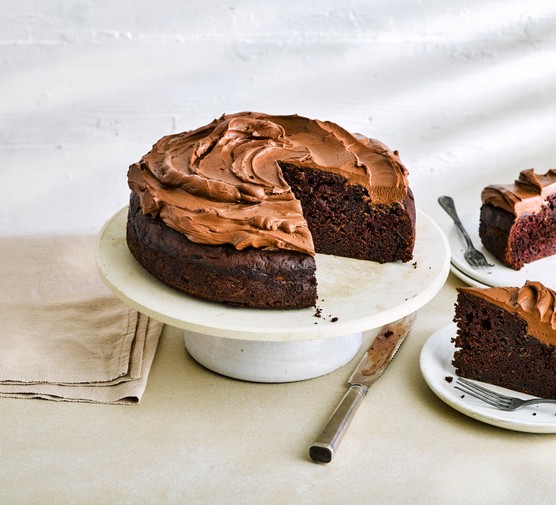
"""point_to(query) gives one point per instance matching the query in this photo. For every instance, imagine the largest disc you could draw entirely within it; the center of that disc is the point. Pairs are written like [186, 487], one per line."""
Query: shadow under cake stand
[355, 298]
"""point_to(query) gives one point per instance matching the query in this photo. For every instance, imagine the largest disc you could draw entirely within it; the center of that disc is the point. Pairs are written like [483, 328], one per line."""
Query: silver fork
[474, 258]
[500, 401]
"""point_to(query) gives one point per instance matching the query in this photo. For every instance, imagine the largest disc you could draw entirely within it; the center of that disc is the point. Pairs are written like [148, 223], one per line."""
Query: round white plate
[436, 366]
[465, 278]
[499, 275]
[353, 295]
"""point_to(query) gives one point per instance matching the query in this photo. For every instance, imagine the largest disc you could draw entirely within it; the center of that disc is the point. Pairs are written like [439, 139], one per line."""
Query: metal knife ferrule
[360, 388]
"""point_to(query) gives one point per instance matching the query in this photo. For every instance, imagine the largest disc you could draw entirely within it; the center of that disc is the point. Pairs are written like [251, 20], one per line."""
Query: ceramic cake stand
[354, 297]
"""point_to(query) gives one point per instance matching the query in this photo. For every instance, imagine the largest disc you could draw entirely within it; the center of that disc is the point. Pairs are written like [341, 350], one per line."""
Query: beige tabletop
[198, 437]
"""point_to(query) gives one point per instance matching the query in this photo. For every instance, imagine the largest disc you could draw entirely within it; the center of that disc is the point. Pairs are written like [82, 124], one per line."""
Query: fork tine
[478, 388]
[477, 395]
[484, 394]
[483, 261]
[477, 258]
[472, 258]
[498, 400]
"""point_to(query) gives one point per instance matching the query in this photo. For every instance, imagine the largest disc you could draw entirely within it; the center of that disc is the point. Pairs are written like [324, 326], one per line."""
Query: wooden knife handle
[326, 443]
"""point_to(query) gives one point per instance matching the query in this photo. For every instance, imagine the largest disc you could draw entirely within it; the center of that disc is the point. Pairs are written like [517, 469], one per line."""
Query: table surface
[198, 437]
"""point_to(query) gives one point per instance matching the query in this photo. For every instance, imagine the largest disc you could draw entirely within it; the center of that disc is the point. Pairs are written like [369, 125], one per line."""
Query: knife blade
[370, 368]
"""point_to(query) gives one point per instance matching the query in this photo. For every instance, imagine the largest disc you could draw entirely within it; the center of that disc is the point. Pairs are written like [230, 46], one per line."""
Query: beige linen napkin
[63, 336]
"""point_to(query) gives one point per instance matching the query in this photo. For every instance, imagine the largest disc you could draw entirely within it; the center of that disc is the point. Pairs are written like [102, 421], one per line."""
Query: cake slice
[507, 336]
[518, 221]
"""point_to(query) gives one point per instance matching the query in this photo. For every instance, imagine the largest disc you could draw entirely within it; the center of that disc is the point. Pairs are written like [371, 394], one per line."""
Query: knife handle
[325, 444]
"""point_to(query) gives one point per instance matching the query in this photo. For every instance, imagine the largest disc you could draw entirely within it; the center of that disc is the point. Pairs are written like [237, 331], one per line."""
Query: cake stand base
[355, 299]
[272, 361]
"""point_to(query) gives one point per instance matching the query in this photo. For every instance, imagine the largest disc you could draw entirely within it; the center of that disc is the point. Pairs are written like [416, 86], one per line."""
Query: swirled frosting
[222, 183]
[534, 302]
[525, 196]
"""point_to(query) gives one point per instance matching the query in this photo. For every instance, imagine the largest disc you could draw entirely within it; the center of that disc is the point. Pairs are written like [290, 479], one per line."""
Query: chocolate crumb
[534, 413]
[318, 312]
[334, 319]
[448, 379]
[414, 265]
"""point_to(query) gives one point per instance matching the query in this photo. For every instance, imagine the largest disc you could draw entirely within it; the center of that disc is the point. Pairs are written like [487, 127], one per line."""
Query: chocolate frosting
[222, 183]
[525, 196]
[534, 302]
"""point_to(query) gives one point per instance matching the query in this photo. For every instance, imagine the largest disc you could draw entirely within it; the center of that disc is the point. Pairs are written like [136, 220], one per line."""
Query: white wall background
[464, 89]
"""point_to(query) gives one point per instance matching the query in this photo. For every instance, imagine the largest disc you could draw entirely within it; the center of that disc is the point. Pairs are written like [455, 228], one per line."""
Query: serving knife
[370, 368]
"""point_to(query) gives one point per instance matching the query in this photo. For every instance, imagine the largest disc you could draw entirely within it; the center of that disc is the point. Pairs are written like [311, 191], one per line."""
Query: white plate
[436, 365]
[499, 275]
[362, 295]
[465, 278]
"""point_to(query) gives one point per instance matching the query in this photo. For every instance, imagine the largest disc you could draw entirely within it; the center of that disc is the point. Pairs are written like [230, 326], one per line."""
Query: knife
[370, 368]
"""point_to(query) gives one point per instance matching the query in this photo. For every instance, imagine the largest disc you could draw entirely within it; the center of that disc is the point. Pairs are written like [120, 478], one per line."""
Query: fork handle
[534, 401]
[447, 203]
[325, 444]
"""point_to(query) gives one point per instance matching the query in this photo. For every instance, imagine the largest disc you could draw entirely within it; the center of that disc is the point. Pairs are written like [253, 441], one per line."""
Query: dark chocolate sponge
[494, 347]
[343, 222]
[255, 278]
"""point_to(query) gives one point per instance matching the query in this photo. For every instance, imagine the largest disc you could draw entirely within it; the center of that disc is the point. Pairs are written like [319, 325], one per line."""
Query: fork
[473, 257]
[497, 400]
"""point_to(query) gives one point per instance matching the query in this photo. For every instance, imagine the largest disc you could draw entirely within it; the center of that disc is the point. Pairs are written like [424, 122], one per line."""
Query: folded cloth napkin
[63, 336]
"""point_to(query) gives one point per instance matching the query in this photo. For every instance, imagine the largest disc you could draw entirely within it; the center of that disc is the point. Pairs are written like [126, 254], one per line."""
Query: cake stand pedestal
[355, 298]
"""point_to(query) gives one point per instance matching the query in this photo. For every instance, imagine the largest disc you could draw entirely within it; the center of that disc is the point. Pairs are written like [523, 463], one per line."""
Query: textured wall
[464, 87]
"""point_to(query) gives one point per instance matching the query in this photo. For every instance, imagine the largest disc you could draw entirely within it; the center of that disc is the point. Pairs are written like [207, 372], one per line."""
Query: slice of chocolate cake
[507, 337]
[518, 221]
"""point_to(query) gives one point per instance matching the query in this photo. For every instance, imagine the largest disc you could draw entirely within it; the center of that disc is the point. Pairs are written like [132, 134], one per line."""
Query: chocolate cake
[518, 221]
[235, 211]
[507, 337]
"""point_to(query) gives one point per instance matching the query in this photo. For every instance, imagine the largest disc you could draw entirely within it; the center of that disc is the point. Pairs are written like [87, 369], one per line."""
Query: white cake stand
[354, 296]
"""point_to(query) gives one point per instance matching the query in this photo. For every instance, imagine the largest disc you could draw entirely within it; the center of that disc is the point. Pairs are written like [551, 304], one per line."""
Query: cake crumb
[448, 379]
[318, 312]
[334, 319]
[414, 264]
